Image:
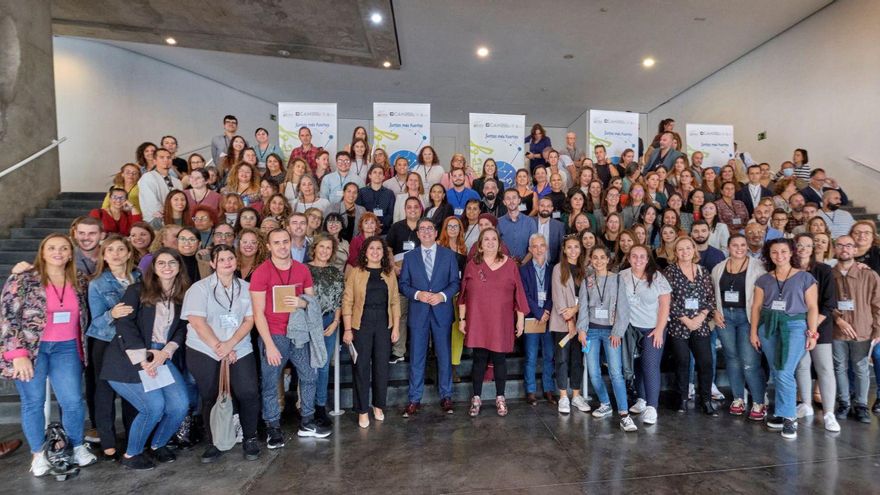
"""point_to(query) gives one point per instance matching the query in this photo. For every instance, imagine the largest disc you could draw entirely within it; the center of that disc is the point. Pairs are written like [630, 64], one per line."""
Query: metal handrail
[864, 164]
[55, 143]
[193, 150]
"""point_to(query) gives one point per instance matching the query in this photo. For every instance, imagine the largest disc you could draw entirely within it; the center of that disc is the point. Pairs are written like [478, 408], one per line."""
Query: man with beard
[796, 216]
[755, 233]
[515, 228]
[709, 256]
[762, 215]
[839, 221]
[491, 203]
[819, 183]
[458, 195]
[87, 233]
[553, 230]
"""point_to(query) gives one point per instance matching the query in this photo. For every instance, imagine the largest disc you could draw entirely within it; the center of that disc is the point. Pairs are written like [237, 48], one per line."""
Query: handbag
[222, 425]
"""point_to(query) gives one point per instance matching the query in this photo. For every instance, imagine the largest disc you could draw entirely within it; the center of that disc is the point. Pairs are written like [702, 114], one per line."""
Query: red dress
[491, 298]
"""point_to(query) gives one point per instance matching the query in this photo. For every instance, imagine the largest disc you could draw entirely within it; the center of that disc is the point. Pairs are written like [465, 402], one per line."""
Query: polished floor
[533, 450]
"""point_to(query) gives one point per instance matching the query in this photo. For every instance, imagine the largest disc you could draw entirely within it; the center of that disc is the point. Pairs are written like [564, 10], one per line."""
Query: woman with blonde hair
[127, 178]
[244, 181]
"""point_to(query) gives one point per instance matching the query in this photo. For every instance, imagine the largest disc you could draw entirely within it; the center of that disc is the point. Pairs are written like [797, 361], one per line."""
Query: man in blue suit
[429, 279]
[664, 156]
[535, 275]
[553, 230]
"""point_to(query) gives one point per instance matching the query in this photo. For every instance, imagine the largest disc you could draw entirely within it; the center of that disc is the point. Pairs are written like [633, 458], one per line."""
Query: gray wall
[27, 108]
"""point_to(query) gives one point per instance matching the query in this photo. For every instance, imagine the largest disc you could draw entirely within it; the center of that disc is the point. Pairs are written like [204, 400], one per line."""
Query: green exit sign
[762, 135]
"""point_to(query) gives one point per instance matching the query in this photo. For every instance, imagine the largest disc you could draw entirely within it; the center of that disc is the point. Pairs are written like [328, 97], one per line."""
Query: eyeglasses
[118, 198]
[224, 235]
[343, 161]
[187, 240]
[169, 264]
[846, 246]
[333, 222]
[453, 226]
[426, 229]
[804, 246]
[201, 218]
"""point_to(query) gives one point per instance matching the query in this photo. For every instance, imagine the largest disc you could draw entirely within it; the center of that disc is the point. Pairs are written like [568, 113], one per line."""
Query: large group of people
[254, 260]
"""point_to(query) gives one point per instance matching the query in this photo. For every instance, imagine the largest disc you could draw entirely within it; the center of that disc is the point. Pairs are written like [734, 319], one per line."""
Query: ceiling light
[386, 64]
[568, 56]
[376, 18]
[648, 62]
[170, 41]
[482, 52]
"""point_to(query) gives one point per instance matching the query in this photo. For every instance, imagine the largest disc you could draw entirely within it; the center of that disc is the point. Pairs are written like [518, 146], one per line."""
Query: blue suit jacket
[746, 197]
[667, 161]
[530, 287]
[445, 279]
[554, 243]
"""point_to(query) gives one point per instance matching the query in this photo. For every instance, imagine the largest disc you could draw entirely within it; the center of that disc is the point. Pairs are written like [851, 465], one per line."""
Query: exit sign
[762, 135]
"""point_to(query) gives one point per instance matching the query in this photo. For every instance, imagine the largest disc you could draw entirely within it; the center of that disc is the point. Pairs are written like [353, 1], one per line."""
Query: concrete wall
[815, 86]
[27, 108]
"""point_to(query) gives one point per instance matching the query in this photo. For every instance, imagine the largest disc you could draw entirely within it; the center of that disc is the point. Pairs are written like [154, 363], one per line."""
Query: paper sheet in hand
[353, 353]
[565, 340]
[279, 292]
[535, 326]
[163, 378]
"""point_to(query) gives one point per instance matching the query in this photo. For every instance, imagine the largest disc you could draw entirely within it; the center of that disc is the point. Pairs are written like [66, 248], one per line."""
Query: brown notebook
[535, 326]
[279, 292]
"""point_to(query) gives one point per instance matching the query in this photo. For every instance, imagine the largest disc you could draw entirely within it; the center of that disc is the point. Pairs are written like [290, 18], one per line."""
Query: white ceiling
[526, 72]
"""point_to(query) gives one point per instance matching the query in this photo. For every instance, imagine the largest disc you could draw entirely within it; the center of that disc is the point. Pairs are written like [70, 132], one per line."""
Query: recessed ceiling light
[482, 52]
[386, 64]
[170, 40]
[284, 53]
[648, 62]
[376, 18]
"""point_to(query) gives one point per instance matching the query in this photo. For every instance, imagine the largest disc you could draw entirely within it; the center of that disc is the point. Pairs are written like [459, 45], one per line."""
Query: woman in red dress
[491, 291]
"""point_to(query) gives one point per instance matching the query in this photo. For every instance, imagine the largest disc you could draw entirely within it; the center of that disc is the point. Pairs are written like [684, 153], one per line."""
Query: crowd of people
[252, 261]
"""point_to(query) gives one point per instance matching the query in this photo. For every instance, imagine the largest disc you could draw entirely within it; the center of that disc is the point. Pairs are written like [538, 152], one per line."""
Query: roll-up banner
[616, 130]
[500, 137]
[714, 141]
[402, 129]
[320, 118]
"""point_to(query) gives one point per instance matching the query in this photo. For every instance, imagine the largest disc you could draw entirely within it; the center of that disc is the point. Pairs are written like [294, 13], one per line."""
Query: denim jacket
[104, 293]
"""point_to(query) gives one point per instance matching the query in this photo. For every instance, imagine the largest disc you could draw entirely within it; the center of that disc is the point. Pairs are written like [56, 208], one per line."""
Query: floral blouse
[689, 299]
[329, 284]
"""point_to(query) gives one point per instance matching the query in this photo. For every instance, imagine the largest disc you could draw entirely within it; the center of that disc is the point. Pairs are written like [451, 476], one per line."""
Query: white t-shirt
[644, 301]
[209, 299]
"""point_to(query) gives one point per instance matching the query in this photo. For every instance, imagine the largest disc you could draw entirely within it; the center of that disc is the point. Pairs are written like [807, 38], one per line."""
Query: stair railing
[864, 163]
[53, 144]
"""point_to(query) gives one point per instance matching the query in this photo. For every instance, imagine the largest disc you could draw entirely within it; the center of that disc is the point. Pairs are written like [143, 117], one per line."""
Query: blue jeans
[534, 341]
[648, 368]
[308, 376]
[875, 356]
[59, 363]
[786, 386]
[323, 379]
[166, 407]
[742, 360]
[597, 340]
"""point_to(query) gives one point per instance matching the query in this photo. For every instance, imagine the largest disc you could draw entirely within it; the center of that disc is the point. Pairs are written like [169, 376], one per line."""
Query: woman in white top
[414, 188]
[718, 233]
[218, 309]
[295, 172]
[308, 197]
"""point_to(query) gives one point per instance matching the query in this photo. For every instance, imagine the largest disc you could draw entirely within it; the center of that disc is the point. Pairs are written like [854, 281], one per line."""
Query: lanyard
[635, 282]
[782, 285]
[229, 297]
[63, 290]
[289, 273]
[602, 291]
[457, 196]
[261, 155]
[741, 266]
[541, 274]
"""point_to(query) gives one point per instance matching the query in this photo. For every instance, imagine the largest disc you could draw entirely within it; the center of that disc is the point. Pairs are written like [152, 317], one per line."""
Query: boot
[182, 440]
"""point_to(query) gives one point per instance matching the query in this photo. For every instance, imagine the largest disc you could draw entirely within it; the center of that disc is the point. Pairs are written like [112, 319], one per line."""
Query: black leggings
[569, 362]
[243, 382]
[701, 348]
[481, 359]
[373, 345]
[105, 399]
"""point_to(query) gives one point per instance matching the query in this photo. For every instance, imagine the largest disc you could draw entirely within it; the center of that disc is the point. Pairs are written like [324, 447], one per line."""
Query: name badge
[228, 322]
[409, 245]
[337, 196]
[600, 314]
[846, 305]
[458, 211]
[61, 317]
[521, 207]
[556, 214]
[736, 221]
[777, 305]
[691, 303]
[378, 212]
[542, 296]
[731, 296]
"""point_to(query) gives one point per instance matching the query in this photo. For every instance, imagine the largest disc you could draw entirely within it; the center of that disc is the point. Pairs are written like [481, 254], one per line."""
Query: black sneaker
[789, 428]
[251, 449]
[164, 455]
[862, 415]
[321, 417]
[275, 439]
[876, 408]
[139, 462]
[211, 454]
[709, 409]
[395, 359]
[775, 423]
[842, 410]
[312, 429]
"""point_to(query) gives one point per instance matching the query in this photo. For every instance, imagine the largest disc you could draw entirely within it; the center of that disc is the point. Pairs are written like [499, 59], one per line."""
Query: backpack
[59, 452]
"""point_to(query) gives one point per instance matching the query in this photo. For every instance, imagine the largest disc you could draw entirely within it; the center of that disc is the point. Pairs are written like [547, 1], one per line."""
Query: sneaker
[311, 429]
[627, 424]
[91, 436]
[581, 404]
[876, 408]
[446, 405]
[831, 423]
[691, 391]
[83, 457]
[737, 407]
[476, 403]
[39, 465]
[842, 410]
[650, 416]
[758, 412]
[501, 405]
[321, 417]
[239, 434]
[164, 455]
[139, 462]
[789, 428]
[564, 405]
[775, 423]
[638, 407]
[603, 411]
[708, 408]
[251, 449]
[410, 410]
[804, 410]
[862, 414]
[716, 394]
[211, 454]
[274, 438]
[395, 359]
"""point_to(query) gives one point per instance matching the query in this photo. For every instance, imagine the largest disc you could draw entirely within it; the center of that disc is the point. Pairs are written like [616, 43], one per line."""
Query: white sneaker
[831, 423]
[804, 410]
[650, 416]
[691, 391]
[564, 406]
[239, 434]
[580, 404]
[39, 465]
[83, 457]
[638, 407]
[627, 424]
[603, 411]
[716, 394]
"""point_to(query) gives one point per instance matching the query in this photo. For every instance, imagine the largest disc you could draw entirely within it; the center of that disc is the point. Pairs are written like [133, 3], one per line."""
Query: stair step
[91, 196]
[13, 257]
[62, 212]
[854, 209]
[36, 232]
[55, 223]
[865, 216]
[20, 244]
[81, 204]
